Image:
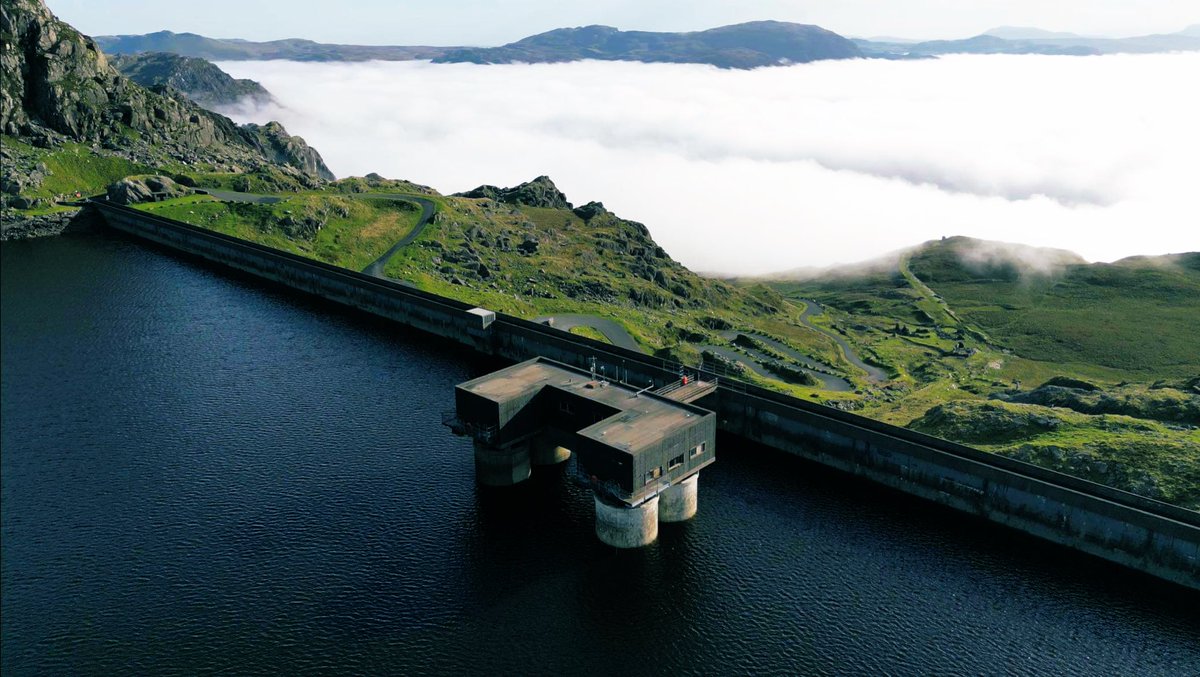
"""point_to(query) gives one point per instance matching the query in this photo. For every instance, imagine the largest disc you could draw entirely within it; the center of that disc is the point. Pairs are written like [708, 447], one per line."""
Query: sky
[490, 22]
[754, 172]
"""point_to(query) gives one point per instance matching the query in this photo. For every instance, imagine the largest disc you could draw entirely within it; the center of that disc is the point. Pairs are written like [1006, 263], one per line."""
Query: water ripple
[203, 475]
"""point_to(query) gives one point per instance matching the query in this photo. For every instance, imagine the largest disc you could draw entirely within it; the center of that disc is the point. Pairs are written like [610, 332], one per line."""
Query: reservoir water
[204, 474]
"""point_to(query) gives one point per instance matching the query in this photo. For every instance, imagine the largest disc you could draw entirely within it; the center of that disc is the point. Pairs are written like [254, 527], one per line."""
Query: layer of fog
[766, 170]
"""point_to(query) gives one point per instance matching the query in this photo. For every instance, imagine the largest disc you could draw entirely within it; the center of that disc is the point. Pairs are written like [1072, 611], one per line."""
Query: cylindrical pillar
[501, 467]
[678, 501]
[626, 527]
[546, 453]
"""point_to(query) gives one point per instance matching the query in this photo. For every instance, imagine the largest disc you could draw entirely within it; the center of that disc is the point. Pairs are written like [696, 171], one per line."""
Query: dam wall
[1157, 538]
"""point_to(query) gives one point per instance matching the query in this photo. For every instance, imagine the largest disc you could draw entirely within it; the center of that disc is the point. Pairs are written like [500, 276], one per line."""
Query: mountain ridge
[746, 45]
[232, 49]
[199, 79]
[72, 123]
[1021, 40]
[1011, 253]
[755, 47]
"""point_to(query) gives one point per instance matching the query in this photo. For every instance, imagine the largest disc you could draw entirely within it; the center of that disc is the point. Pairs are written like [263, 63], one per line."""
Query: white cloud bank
[777, 168]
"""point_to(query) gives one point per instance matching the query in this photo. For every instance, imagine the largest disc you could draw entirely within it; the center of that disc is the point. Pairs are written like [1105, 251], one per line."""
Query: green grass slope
[970, 327]
[336, 229]
[526, 251]
[1146, 457]
[1137, 315]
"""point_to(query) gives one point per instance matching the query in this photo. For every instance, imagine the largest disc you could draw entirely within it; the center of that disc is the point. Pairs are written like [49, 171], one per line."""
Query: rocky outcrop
[540, 192]
[16, 226]
[985, 422]
[201, 81]
[1156, 404]
[57, 87]
[57, 82]
[145, 189]
[590, 211]
[273, 141]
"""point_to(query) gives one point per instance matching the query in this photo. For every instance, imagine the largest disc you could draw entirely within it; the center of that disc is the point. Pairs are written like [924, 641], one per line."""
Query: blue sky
[488, 22]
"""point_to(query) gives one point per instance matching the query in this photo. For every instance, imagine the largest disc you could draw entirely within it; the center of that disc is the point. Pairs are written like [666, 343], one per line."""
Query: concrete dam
[1146, 535]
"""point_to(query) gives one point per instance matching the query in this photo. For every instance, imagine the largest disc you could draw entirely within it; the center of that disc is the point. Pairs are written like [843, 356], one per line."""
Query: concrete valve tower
[641, 451]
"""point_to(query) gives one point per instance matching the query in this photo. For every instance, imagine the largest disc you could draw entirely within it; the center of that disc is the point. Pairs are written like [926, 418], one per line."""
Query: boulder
[590, 210]
[529, 245]
[133, 190]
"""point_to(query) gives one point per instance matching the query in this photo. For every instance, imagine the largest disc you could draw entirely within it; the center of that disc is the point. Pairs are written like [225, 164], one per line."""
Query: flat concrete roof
[642, 419]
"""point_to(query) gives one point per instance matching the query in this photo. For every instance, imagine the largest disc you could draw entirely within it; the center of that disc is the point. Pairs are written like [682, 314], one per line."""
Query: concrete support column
[678, 501]
[626, 527]
[501, 466]
[547, 453]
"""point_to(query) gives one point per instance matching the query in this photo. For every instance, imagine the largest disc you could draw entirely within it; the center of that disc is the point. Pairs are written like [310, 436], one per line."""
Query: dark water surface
[204, 474]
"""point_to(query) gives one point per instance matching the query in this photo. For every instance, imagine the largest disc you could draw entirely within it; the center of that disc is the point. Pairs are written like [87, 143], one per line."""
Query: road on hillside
[234, 196]
[611, 329]
[375, 268]
[874, 373]
[427, 209]
[828, 379]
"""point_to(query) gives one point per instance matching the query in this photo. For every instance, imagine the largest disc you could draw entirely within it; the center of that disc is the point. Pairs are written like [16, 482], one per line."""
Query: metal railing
[481, 433]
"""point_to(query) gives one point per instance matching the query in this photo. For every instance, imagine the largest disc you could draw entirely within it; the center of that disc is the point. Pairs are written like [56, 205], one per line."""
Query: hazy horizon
[756, 172]
[480, 23]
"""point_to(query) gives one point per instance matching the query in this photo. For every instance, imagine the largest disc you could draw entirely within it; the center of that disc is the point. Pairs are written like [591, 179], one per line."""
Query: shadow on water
[885, 515]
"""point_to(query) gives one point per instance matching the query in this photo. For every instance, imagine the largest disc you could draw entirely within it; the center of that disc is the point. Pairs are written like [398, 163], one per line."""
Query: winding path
[873, 373]
[829, 381]
[754, 359]
[611, 329]
[375, 268]
[234, 196]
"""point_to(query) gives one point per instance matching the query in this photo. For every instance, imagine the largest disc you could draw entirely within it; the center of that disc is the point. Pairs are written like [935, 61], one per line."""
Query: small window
[653, 475]
[698, 449]
[675, 462]
[565, 407]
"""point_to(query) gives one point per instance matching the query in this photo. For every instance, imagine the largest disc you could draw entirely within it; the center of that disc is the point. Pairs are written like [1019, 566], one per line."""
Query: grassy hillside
[1137, 315]
[959, 331]
[336, 229]
[1148, 457]
[1131, 320]
[532, 261]
[1086, 368]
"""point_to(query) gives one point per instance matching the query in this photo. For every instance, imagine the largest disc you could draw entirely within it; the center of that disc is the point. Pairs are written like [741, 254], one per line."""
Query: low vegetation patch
[1144, 457]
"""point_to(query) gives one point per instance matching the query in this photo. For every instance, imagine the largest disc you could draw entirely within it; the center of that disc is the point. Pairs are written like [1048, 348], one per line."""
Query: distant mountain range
[760, 43]
[219, 49]
[1028, 33]
[747, 45]
[1017, 40]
